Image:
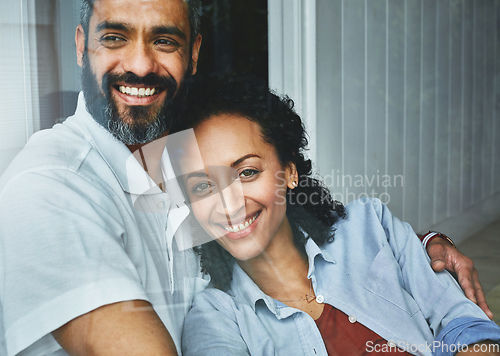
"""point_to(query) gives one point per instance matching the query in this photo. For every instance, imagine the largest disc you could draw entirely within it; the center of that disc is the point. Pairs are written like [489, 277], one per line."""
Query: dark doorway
[234, 37]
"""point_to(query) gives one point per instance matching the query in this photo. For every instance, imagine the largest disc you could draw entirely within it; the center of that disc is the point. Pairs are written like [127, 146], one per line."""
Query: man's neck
[149, 157]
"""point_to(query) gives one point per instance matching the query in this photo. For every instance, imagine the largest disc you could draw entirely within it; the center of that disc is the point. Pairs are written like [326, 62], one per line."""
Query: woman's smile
[242, 229]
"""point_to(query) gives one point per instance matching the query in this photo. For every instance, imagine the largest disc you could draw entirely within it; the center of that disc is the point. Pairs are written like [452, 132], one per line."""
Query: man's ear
[195, 53]
[80, 44]
[292, 179]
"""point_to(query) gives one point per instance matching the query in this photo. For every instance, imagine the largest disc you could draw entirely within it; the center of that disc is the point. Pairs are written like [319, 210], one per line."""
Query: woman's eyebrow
[239, 160]
[203, 173]
[196, 174]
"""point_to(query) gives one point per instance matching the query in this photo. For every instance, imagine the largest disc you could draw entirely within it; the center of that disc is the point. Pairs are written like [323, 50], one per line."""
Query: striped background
[411, 88]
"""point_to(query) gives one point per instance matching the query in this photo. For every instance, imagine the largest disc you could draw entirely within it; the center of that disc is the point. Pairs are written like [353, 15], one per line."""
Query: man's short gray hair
[194, 14]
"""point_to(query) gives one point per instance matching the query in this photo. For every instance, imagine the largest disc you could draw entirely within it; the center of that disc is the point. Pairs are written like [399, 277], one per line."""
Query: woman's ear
[292, 176]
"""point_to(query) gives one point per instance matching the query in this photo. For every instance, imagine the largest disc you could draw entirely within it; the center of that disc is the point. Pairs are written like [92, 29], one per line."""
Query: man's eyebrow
[239, 160]
[169, 30]
[157, 30]
[108, 25]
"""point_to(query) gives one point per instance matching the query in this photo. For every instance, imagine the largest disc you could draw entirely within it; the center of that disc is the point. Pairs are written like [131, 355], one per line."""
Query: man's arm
[124, 328]
[64, 263]
[444, 255]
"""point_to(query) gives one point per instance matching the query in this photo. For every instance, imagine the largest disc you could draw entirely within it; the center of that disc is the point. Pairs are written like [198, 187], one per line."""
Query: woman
[293, 272]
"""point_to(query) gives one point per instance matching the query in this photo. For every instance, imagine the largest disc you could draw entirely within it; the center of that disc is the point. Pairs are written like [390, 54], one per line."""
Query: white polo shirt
[82, 225]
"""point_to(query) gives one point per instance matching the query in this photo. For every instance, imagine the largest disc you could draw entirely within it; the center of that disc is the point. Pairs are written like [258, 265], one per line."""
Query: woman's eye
[201, 188]
[248, 173]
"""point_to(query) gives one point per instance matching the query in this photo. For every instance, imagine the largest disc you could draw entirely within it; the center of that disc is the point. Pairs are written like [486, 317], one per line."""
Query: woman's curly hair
[310, 207]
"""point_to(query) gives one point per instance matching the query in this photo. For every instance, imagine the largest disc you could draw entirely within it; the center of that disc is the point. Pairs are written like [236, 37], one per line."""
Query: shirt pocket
[385, 280]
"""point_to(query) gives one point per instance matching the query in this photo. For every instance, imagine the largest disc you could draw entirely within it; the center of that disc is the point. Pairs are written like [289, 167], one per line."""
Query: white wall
[410, 89]
[34, 34]
[67, 20]
[18, 101]
[292, 57]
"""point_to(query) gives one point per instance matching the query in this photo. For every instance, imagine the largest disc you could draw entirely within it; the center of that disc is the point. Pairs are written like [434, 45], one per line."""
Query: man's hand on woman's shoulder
[444, 255]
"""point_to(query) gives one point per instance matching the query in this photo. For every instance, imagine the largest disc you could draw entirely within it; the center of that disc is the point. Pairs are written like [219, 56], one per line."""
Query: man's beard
[140, 124]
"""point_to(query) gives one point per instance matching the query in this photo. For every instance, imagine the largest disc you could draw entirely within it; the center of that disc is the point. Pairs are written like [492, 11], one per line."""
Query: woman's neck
[281, 270]
[281, 273]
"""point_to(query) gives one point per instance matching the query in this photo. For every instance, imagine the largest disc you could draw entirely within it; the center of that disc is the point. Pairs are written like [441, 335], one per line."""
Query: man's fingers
[444, 255]
[437, 253]
[438, 265]
[466, 273]
[480, 297]
[469, 281]
[481, 302]
[467, 286]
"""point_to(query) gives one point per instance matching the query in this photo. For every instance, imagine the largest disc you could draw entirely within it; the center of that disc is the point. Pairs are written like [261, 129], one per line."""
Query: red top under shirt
[343, 337]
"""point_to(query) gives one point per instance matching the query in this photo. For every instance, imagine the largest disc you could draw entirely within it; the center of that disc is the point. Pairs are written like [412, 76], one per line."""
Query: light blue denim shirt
[375, 271]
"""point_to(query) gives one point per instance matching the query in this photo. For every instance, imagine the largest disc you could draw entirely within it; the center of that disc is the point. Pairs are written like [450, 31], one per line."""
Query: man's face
[135, 61]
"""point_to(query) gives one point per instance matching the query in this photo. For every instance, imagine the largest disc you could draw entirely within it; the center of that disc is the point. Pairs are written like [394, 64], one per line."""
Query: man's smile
[139, 94]
[134, 91]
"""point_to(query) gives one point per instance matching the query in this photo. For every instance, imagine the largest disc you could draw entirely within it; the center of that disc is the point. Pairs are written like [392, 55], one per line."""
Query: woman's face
[239, 195]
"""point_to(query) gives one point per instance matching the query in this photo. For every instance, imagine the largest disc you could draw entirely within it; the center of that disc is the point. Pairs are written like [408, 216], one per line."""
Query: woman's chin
[241, 253]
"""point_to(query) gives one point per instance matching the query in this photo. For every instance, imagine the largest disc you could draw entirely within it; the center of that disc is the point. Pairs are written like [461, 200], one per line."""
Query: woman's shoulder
[216, 301]
[365, 223]
[366, 205]
[364, 209]
[213, 298]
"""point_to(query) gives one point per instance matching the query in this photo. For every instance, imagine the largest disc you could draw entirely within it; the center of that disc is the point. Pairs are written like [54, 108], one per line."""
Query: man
[95, 232]
[88, 258]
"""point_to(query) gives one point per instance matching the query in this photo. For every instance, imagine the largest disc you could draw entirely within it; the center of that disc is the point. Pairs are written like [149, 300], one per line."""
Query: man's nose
[140, 60]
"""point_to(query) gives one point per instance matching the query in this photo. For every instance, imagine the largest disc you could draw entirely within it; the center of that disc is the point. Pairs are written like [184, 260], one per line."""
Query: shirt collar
[313, 250]
[131, 176]
[243, 288]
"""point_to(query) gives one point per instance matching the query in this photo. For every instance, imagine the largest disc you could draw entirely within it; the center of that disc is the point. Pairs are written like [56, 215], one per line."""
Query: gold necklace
[309, 297]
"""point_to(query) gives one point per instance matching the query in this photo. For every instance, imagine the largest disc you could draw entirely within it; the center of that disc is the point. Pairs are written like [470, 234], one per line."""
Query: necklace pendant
[310, 298]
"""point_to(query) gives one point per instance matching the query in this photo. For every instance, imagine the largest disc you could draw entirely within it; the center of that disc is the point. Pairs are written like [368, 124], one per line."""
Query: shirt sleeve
[438, 295]
[62, 254]
[464, 331]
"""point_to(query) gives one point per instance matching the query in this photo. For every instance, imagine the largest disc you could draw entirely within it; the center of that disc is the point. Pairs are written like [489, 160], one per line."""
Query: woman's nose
[232, 202]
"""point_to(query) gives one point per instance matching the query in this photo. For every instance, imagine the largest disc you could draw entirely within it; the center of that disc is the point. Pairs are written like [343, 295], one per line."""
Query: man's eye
[248, 173]
[167, 44]
[112, 41]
